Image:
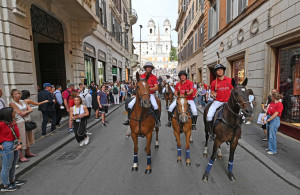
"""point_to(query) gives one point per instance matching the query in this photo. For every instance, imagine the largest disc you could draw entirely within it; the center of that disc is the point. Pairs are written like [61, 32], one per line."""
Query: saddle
[218, 116]
[128, 100]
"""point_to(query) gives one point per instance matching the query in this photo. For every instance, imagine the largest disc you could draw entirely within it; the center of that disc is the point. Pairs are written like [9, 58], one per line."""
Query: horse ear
[233, 83]
[137, 76]
[148, 75]
[245, 82]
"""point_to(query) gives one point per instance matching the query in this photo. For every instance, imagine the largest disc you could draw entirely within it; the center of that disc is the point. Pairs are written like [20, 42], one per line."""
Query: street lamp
[141, 47]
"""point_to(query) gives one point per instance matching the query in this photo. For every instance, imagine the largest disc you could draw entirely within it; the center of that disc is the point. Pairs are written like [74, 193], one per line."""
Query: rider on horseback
[170, 82]
[220, 90]
[183, 86]
[153, 87]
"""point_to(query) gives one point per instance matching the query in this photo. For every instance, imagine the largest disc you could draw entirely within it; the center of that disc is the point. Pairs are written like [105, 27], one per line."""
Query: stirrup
[212, 137]
[126, 122]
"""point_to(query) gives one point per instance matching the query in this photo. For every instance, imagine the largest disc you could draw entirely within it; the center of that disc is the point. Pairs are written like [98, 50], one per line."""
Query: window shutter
[244, 4]
[104, 13]
[210, 22]
[97, 8]
[228, 11]
[240, 3]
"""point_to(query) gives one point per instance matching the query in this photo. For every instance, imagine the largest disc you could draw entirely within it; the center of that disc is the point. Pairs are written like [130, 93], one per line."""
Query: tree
[173, 54]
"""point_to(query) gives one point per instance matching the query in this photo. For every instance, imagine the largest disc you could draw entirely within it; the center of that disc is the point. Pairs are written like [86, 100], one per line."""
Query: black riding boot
[157, 118]
[194, 122]
[211, 129]
[127, 121]
[169, 119]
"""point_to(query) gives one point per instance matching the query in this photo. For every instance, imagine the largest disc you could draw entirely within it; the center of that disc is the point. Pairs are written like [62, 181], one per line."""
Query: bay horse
[229, 127]
[160, 88]
[182, 121]
[169, 95]
[142, 122]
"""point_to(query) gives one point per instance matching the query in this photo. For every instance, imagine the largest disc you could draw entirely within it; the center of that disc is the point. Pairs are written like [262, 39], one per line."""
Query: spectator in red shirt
[67, 96]
[273, 121]
[153, 88]
[220, 90]
[10, 144]
[181, 87]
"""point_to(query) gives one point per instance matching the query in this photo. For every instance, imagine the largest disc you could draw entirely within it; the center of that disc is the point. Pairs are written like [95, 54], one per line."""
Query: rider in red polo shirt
[153, 87]
[183, 86]
[220, 90]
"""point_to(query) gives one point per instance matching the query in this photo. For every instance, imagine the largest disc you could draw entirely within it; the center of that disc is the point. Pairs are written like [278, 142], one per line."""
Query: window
[201, 35]
[193, 10]
[213, 20]
[201, 3]
[101, 11]
[125, 16]
[197, 4]
[166, 31]
[150, 30]
[118, 5]
[189, 18]
[235, 8]
[167, 48]
[196, 36]
[126, 42]
[116, 28]
[238, 70]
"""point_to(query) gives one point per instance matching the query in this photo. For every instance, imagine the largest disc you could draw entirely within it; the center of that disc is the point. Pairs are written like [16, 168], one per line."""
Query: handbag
[30, 125]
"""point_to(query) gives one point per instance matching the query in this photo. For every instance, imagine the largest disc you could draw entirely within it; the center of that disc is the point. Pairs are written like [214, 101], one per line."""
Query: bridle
[239, 104]
[182, 112]
[142, 95]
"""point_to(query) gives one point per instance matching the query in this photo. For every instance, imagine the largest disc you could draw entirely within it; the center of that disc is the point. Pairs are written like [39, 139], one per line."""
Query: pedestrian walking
[59, 104]
[10, 144]
[2, 103]
[252, 102]
[78, 114]
[22, 111]
[95, 104]
[273, 121]
[66, 96]
[103, 104]
[123, 91]
[87, 100]
[265, 109]
[116, 94]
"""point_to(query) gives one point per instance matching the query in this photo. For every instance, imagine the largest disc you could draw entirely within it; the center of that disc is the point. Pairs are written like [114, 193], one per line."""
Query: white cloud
[158, 10]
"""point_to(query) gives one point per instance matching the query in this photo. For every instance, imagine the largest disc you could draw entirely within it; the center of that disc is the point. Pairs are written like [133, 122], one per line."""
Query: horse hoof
[179, 161]
[188, 164]
[220, 157]
[134, 169]
[191, 141]
[156, 146]
[231, 176]
[204, 155]
[148, 171]
[205, 177]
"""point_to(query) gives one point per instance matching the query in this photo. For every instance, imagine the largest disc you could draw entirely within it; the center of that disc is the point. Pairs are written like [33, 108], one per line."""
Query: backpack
[115, 90]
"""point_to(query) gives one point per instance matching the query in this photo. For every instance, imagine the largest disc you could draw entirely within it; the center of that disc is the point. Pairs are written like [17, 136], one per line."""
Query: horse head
[182, 107]
[241, 96]
[143, 90]
[167, 87]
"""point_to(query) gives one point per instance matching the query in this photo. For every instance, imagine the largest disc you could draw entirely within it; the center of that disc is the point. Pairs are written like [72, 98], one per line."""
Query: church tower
[151, 30]
[167, 27]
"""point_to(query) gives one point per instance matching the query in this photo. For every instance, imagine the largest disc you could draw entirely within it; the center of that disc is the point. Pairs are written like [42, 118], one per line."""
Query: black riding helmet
[218, 66]
[182, 72]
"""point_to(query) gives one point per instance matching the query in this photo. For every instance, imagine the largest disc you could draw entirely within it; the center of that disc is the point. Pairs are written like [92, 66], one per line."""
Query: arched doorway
[48, 40]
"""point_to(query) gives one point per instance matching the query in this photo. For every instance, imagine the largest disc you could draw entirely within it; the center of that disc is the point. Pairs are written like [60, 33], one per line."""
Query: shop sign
[101, 55]
[114, 71]
[89, 50]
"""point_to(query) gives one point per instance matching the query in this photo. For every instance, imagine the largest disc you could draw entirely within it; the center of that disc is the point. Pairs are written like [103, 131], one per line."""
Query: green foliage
[173, 54]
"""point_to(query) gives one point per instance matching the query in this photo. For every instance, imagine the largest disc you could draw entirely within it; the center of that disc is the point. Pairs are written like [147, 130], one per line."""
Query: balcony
[133, 17]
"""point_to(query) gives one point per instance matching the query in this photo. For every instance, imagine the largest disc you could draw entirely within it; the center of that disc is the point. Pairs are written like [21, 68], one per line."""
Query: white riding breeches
[172, 88]
[212, 109]
[190, 102]
[152, 99]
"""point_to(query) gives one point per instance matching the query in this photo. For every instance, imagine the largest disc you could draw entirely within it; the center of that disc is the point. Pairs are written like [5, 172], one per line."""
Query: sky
[158, 10]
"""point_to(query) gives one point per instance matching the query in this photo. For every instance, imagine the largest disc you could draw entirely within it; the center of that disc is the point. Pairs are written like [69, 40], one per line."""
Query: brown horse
[229, 127]
[160, 88]
[142, 122]
[169, 95]
[182, 121]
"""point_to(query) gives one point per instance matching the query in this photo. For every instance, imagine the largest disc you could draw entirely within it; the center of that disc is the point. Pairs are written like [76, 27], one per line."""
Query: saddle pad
[127, 100]
[218, 115]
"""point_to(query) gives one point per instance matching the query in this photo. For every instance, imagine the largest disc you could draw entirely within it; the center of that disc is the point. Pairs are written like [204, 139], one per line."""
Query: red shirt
[6, 133]
[71, 102]
[67, 94]
[205, 86]
[223, 88]
[185, 87]
[152, 80]
[275, 107]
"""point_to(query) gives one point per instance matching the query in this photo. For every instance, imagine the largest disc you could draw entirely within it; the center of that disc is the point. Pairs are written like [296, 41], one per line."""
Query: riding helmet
[182, 72]
[149, 64]
[218, 66]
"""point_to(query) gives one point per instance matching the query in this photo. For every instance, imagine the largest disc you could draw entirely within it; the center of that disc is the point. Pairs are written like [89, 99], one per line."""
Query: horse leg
[156, 142]
[177, 136]
[206, 140]
[148, 152]
[135, 154]
[191, 139]
[233, 145]
[220, 156]
[212, 159]
[187, 147]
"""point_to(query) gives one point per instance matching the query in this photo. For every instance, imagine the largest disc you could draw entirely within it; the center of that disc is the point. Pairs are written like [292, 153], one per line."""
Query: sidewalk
[46, 146]
[286, 163]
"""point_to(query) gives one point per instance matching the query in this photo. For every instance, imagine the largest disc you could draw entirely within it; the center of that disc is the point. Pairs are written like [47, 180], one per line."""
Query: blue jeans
[9, 160]
[272, 128]
[199, 99]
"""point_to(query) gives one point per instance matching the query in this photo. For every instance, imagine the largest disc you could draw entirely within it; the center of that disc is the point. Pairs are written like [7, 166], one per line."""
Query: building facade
[157, 48]
[60, 42]
[258, 40]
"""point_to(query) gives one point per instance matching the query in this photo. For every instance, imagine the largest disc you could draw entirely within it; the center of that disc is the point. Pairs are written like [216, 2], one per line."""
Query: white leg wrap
[164, 90]
[212, 110]
[131, 104]
[172, 106]
[135, 165]
[193, 107]
[172, 88]
[153, 101]
[156, 143]
[219, 152]
[205, 150]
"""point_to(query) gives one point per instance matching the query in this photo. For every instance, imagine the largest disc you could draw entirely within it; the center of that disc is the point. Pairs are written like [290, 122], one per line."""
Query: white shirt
[2, 103]
[87, 99]
[169, 81]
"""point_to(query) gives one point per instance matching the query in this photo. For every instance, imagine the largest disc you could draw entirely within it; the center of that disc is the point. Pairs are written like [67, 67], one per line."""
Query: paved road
[104, 167]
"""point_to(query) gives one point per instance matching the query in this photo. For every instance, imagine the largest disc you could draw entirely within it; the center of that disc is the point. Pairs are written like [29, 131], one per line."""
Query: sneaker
[267, 149]
[19, 182]
[87, 140]
[265, 139]
[81, 143]
[17, 166]
[269, 152]
[248, 123]
[103, 124]
[70, 130]
[106, 122]
[88, 133]
[10, 188]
